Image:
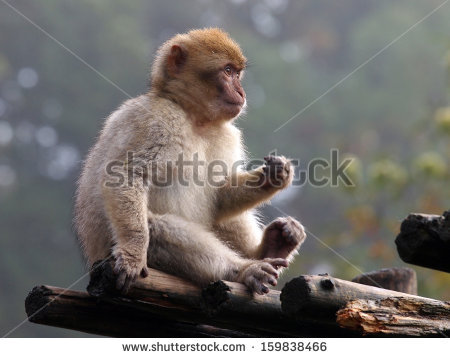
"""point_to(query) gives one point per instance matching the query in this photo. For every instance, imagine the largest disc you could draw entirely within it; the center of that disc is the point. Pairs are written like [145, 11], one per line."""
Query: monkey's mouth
[235, 103]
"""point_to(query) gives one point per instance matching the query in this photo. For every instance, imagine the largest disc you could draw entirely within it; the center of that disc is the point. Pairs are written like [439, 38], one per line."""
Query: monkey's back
[127, 129]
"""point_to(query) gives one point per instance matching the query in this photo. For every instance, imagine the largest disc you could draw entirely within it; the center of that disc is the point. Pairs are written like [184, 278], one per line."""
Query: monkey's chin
[232, 111]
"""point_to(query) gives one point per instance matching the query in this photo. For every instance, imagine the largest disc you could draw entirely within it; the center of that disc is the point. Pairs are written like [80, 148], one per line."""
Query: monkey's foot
[281, 237]
[127, 270]
[258, 274]
[277, 172]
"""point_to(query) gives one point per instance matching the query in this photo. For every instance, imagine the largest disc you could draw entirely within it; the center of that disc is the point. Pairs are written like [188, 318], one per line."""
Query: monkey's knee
[282, 238]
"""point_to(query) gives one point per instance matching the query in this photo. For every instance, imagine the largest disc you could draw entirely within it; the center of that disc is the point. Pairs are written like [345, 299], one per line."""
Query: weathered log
[221, 304]
[79, 311]
[401, 279]
[162, 305]
[397, 316]
[424, 240]
[231, 302]
[178, 299]
[318, 298]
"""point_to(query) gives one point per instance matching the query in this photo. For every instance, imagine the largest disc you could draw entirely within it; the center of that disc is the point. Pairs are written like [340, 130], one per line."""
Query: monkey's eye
[228, 70]
[238, 74]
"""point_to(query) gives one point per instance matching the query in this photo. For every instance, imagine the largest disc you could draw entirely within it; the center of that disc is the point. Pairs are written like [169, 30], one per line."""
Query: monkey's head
[201, 71]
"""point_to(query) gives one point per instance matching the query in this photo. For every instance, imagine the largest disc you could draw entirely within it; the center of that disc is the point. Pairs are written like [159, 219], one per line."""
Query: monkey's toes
[290, 230]
[293, 232]
[260, 274]
[277, 262]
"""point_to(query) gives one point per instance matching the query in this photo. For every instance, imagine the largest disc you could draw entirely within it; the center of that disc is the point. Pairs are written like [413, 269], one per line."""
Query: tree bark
[230, 302]
[318, 298]
[424, 240]
[222, 304]
[78, 311]
[397, 317]
[178, 299]
[400, 279]
[162, 305]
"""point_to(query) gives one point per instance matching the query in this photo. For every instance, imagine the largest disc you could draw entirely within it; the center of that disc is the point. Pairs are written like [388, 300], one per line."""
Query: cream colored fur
[199, 232]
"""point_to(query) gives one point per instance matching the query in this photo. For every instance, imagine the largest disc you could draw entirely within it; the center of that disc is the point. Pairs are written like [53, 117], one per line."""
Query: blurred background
[392, 116]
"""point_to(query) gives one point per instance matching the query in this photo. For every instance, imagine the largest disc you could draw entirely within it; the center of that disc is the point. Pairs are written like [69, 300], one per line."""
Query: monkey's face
[230, 94]
[202, 71]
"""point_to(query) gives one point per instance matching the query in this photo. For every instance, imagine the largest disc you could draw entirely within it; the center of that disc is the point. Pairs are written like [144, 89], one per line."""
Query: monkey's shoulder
[144, 126]
[146, 111]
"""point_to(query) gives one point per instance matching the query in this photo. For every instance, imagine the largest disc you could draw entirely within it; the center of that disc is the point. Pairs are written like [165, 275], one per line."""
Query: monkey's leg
[188, 250]
[242, 233]
[126, 210]
[281, 238]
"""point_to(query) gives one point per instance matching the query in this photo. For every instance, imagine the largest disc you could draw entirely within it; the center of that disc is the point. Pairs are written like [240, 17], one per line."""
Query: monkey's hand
[281, 237]
[258, 274]
[276, 173]
[127, 268]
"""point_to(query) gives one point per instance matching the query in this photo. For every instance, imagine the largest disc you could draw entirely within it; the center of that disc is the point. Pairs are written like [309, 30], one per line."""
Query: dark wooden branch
[318, 298]
[162, 305]
[78, 311]
[401, 279]
[177, 299]
[424, 240]
[230, 302]
[222, 304]
[397, 317]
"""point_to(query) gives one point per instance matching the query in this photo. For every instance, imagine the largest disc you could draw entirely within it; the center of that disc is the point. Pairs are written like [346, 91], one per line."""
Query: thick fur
[199, 232]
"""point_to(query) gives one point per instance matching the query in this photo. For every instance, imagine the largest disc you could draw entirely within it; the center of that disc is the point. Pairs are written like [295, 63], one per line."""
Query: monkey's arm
[245, 190]
[126, 209]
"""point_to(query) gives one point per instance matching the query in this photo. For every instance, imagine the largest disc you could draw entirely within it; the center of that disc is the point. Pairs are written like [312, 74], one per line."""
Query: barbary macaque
[204, 232]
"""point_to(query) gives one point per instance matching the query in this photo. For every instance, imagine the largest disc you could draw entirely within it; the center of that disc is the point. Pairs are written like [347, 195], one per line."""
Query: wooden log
[318, 298]
[222, 304]
[231, 302]
[424, 240]
[397, 317]
[79, 311]
[177, 299]
[401, 279]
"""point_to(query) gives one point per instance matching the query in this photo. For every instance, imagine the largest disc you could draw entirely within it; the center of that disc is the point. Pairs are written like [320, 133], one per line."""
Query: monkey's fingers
[128, 282]
[124, 281]
[120, 281]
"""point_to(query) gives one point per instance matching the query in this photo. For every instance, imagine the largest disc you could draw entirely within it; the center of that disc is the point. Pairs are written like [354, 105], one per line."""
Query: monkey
[202, 233]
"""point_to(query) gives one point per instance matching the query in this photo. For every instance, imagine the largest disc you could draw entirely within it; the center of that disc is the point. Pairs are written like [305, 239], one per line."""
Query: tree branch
[424, 240]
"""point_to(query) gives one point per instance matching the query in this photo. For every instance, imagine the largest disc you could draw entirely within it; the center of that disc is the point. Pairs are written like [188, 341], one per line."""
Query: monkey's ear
[176, 59]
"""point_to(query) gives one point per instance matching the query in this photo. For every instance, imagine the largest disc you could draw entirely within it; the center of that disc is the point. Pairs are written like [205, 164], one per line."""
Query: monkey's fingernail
[273, 282]
[284, 263]
[265, 289]
[144, 272]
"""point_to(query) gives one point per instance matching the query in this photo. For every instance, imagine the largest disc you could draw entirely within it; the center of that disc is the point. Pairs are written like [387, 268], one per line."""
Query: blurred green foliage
[392, 116]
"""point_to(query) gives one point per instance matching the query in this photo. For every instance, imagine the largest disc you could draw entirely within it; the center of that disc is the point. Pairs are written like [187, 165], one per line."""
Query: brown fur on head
[191, 69]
